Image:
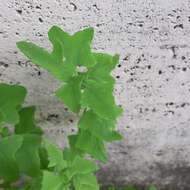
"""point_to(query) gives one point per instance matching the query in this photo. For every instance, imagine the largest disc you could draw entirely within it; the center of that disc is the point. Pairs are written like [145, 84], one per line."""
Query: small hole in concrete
[40, 19]
[178, 26]
[19, 11]
[183, 105]
[183, 57]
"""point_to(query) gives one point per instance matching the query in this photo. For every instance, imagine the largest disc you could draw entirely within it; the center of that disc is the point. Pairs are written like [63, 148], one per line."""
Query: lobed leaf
[11, 98]
[98, 94]
[70, 94]
[100, 99]
[27, 156]
[76, 48]
[51, 181]
[92, 145]
[27, 122]
[9, 170]
[55, 156]
[99, 127]
[81, 166]
[101, 72]
[43, 58]
[68, 52]
[85, 182]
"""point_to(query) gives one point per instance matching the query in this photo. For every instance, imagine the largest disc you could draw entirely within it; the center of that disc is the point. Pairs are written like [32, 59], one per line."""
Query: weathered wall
[153, 78]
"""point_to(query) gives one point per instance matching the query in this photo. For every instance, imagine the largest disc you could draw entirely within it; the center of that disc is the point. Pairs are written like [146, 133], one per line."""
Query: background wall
[153, 78]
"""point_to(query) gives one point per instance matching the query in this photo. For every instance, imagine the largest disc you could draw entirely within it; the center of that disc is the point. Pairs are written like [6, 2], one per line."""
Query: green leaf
[43, 158]
[51, 181]
[55, 156]
[98, 94]
[99, 127]
[75, 151]
[85, 182]
[76, 48]
[100, 99]
[57, 53]
[69, 155]
[68, 52]
[34, 183]
[11, 98]
[27, 156]
[43, 58]
[27, 122]
[101, 72]
[92, 145]
[9, 170]
[70, 93]
[81, 166]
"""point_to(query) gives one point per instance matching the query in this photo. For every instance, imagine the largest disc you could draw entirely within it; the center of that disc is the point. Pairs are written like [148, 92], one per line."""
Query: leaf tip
[53, 28]
[20, 44]
[89, 32]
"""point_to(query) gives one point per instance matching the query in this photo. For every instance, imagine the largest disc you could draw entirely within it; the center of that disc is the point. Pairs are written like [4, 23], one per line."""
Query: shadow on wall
[180, 179]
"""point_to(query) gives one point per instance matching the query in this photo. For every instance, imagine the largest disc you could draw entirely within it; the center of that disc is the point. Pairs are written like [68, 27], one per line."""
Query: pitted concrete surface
[153, 78]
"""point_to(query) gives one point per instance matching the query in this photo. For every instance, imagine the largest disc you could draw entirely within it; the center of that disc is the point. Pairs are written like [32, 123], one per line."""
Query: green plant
[28, 160]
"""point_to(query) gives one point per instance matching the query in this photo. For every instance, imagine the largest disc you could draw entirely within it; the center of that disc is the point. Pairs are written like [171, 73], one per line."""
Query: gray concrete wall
[153, 85]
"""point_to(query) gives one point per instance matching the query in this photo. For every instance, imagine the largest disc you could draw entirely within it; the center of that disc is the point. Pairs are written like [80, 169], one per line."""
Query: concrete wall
[153, 78]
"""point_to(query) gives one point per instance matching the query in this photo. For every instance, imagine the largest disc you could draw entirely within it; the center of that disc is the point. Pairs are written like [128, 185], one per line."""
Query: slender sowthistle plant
[28, 160]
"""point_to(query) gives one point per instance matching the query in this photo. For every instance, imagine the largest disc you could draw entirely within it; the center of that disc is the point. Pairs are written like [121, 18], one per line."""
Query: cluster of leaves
[28, 160]
[20, 138]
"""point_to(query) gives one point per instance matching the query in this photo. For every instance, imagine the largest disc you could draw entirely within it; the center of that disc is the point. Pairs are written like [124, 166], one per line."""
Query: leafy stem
[87, 90]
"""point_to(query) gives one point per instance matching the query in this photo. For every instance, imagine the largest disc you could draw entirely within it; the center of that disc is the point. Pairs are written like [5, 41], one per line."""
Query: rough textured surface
[153, 83]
